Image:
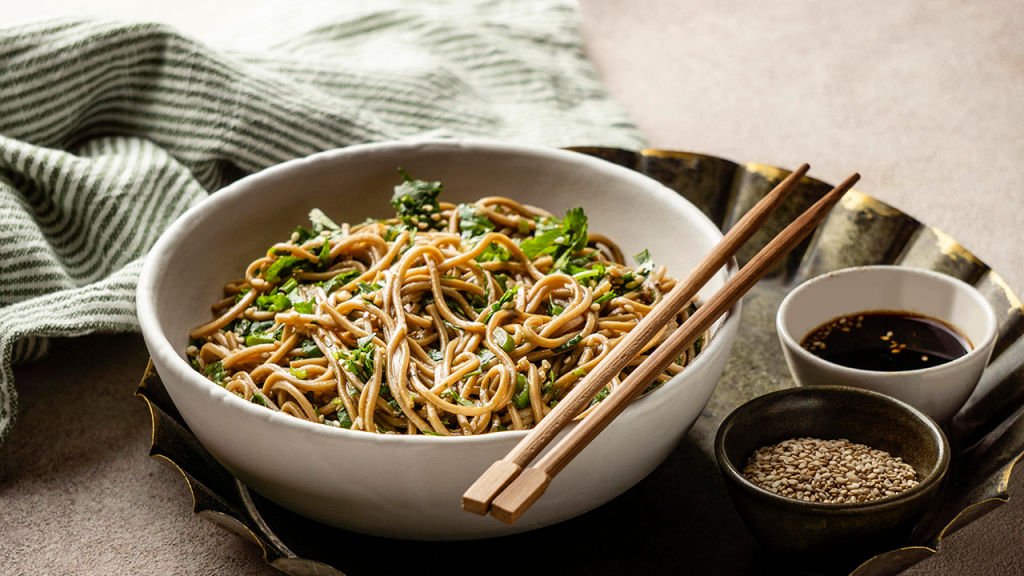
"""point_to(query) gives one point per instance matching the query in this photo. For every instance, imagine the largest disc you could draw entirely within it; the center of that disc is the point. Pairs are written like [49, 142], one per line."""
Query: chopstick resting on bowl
[478, 497]
[530, 485]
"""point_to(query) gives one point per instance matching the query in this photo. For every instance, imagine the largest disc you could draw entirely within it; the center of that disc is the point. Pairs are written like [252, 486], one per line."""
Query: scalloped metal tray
[680, 515]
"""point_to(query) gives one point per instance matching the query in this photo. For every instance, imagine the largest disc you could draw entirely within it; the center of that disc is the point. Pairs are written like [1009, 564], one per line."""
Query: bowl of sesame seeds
[825, 477]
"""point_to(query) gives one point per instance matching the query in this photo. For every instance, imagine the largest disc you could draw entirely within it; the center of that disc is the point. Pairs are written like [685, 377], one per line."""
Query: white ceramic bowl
[938, 391]
[393, 485]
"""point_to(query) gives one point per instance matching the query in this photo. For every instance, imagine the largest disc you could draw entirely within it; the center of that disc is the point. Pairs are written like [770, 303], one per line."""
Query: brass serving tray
[680, 515]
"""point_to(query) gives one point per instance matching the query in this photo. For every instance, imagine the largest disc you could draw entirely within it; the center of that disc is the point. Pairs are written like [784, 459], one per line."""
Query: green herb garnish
[360, 360]
[309, 349]
[321, 221]
[305, 307]
[569, 344]
[284, 266]
[506, 297]
[415, 200]
[454, 395]
[472, 223]
[215, 372]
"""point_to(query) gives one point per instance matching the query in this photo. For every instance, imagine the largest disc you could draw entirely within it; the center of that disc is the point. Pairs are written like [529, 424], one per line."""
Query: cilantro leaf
[569, 344]
[554, 308]
[302, 235]
[543, 244]
[340, 280]
[240, 326]
[343, 420]
[494, 253]
[273, 303]
[560, 238]
[486, 356]
[360, 360]
[283, 266]
[257, 338]
[473, 224]
[574, 231]
[215, 372]
[502, 281]
[365, 288]
[416, 199]
[435, 355]
[305, 307]
[506, 297]
[644, 264]
[321, 221]
[454, 395]
[324, 258]
[309, 348]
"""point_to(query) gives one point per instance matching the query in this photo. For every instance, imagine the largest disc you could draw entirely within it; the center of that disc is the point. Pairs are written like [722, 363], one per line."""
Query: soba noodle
[446, 320]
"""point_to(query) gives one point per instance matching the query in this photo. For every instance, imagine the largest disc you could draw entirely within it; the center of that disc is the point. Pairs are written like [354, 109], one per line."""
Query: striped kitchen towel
[109, 131]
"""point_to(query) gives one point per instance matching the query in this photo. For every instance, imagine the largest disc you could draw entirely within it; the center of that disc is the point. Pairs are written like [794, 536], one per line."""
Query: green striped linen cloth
[111, 130]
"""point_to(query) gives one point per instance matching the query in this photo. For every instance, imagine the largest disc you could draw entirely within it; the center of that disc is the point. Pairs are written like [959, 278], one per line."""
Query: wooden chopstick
[478, 497]
[510, 504]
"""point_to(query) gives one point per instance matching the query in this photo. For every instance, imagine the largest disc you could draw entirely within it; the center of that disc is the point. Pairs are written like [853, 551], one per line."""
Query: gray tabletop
[924, 98]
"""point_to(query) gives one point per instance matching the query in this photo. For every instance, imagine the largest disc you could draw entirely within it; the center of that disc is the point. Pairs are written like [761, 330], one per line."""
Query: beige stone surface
[924, 98]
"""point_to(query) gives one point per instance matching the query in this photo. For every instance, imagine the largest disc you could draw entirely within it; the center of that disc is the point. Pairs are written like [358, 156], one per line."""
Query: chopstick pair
[506, 490]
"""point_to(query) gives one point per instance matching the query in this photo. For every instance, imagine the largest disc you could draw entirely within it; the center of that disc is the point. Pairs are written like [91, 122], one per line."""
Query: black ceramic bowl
[820, 538]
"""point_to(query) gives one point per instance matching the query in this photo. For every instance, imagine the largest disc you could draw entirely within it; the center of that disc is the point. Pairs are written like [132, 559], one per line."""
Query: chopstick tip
[477, 499]
[520, 495]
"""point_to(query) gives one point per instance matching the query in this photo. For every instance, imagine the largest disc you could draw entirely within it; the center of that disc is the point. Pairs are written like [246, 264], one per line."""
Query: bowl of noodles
[359, 334]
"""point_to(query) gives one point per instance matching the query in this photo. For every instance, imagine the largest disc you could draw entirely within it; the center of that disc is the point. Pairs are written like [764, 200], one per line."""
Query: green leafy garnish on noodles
[305, 307]
[273, 303]
[283, 266]
[343, 420]
[365, 288]
[309, 349]
[416, 200]
[472, 224]
[339, 281]
[494, 253]
[569, 344]
[505, 298]
[302, 235]
[216, 372]
[321, 221]
[360, 360]
[454, 395]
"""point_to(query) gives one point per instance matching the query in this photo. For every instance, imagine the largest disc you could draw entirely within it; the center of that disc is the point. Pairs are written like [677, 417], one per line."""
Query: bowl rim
[923, 486]
[159, 346]
[893, 378]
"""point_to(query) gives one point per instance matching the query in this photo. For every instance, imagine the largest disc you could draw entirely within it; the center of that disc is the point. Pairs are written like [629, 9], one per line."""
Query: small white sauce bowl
[938, 391]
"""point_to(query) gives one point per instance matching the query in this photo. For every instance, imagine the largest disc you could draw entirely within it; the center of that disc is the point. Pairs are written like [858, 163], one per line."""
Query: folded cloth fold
[109, 131]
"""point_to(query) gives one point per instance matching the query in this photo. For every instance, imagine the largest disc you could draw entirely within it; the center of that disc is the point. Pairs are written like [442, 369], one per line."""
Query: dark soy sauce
[886, 341]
